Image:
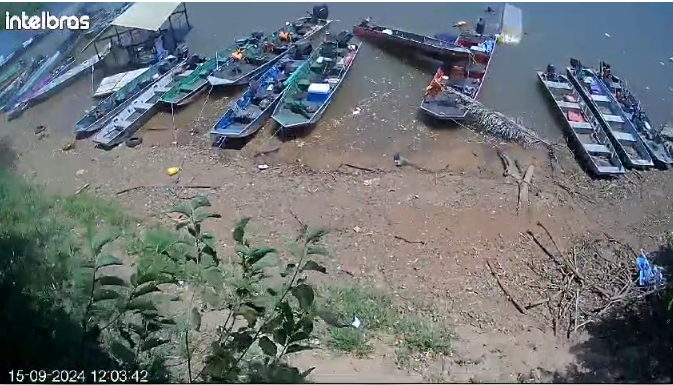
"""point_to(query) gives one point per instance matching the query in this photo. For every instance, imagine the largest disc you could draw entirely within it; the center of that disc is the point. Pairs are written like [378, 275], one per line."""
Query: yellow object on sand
[172, 171]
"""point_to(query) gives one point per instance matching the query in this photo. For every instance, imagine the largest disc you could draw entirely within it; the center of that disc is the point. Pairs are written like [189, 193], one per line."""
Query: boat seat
[619, 135]
[580, 125]
[613, 118]
[143, 106]
[161, 89]
[599, 98]
[610, 170]
[563, 86]
[570, 105]
[596, 148]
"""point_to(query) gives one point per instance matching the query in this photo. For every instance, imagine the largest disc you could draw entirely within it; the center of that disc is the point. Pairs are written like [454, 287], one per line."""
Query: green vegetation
[85, 285]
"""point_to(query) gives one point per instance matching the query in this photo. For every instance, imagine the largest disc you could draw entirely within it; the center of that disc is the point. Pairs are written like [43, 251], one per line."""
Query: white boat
[140, 110]
[114, 83]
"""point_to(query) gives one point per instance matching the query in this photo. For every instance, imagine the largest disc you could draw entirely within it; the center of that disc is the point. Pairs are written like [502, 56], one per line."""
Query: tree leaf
[268, 347]
[239, 231]
[314, 266]
[203, 215]
[304, 294]
[141, 304]
[106, 294]
[146, 288]
[182, 209]
[294, 348]
[256, 255]
[317, 250]
[152, 343]
[315, 236]
[100, 241]
[249, 314]
[330, 318]
[107, 260]
[289, 269]
[122, 352]
[111, 280]
[200, 201]
[134, 279]
[307, 372]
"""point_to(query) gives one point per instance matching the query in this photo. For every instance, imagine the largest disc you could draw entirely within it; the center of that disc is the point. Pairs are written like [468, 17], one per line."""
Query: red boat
[464, 75]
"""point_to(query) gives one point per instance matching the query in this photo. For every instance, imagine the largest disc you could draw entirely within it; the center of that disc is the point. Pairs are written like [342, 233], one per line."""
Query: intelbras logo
[45, 21]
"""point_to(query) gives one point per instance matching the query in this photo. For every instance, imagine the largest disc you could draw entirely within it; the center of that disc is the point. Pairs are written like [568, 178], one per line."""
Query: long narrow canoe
[63, 80]
[584, 131]
[619, 128]
[259, 55]
[312, 90]
[141, 108]
[98, 116]
[7, 60]
[652, 139]
[389, 37]
[11, 73]
[114, 83]
[9, 91]
[254, 107]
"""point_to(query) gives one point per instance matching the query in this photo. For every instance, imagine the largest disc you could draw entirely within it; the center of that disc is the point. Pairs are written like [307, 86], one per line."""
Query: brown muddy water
[375, 111]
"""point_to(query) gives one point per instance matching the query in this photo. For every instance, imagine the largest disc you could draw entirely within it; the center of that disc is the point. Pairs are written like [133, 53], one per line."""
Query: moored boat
[315, 84]
[189, 88]
[585, 133]
[7, 60]
[114, 83]
[465, 75]
[619, 128]
[123, 125]
[8, 92]
[652, 139]
[11, 73]
[58, 82]
[254, 107]
[261, 52]
[98, 116]
[389, 37]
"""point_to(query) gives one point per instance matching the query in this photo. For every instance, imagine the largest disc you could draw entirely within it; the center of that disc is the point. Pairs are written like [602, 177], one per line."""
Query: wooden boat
[60, 81]
[389, 37]
[114, 83]
[255, 106]
[11, 73]
[64, 51]
[9, 59]
[98, 116]
[465, 75]
[123, 125]
[585, 133]
[190, 87]
[311, 91]
[9, 91]
[611, 116]
[262, 52]
[651, 138]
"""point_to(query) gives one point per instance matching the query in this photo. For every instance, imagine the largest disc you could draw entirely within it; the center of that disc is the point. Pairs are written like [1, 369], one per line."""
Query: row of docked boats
[605, 122]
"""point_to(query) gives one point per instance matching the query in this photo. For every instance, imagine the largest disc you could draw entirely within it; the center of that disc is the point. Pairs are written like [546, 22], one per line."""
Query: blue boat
[254, 107]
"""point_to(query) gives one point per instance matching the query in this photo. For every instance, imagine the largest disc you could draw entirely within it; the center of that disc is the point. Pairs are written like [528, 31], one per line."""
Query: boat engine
[257, 35]
[343, 38]
[321, 11]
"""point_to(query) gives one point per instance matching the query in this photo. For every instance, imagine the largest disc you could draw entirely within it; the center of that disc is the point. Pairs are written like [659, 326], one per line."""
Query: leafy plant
[275, 321]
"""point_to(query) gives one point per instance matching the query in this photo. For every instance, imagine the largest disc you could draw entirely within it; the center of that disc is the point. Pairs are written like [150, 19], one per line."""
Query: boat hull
[653, 141]
[588, 136]
[434, 48]
[246, 78]
[630, 148]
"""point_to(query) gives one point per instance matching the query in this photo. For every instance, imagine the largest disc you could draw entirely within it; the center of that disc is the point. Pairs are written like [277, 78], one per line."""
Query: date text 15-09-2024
[65, 376]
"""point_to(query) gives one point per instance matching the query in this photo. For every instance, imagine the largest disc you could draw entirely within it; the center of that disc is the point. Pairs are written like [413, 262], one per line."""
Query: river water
[630, 36]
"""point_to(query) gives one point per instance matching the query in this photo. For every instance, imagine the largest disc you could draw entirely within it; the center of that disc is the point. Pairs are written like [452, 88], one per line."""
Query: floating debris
[607, 35]
[262, 167]
[171, 171]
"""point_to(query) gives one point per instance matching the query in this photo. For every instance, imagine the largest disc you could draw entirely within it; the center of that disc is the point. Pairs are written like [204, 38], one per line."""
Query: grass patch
[380, 315]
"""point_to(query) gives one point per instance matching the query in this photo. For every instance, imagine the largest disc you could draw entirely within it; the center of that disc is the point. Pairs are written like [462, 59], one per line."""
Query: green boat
[12, 72]
[193, 85]
[314, 85]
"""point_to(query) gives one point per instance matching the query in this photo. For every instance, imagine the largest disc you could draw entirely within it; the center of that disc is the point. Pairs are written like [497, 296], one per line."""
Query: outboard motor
[343, 38]
[574, 63]
[193, 61]
[182, 51]
[257, 35]
[320, 11]
[481, 26]
[551, 72]
[303, 47]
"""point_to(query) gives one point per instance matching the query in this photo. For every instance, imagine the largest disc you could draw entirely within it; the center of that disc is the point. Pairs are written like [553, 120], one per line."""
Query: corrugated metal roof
[147, 16]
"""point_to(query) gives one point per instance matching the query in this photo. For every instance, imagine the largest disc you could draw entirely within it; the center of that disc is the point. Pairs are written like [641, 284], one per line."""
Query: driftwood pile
[583, 284]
